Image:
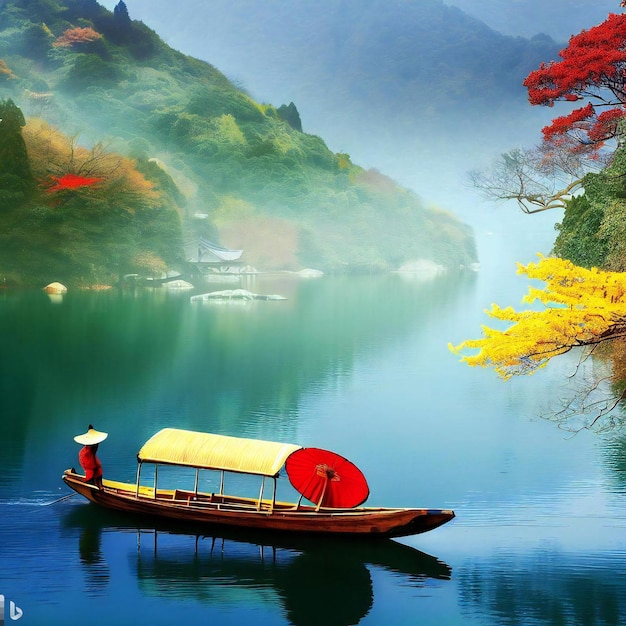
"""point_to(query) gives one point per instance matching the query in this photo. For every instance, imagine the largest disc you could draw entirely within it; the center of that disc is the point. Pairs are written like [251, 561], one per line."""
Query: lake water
[358, 365]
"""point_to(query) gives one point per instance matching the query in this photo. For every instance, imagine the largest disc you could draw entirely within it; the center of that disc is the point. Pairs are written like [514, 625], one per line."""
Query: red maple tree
[71, 181]
[592, 68]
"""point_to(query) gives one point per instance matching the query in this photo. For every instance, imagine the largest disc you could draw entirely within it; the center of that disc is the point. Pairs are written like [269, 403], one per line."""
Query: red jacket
[90, 463]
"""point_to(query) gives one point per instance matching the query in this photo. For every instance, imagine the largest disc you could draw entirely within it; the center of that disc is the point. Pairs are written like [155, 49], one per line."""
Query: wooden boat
[334, 483]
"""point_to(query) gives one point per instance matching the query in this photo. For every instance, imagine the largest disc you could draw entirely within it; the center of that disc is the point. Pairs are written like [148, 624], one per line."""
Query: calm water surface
[356, 365]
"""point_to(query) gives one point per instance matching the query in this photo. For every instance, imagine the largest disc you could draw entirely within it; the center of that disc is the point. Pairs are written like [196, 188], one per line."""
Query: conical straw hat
[91, 437]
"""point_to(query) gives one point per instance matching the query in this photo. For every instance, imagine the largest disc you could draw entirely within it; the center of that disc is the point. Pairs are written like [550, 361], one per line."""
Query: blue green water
[358, 365]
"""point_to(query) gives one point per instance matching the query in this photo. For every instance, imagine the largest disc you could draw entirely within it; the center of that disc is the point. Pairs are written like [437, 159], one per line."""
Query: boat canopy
[174, 446]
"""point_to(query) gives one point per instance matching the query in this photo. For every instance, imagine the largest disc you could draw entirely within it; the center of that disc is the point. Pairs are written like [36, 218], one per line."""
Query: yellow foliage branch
[580, 307]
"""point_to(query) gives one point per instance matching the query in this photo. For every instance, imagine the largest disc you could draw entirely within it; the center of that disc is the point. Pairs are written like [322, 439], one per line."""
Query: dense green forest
[592, 232]
[153, 139]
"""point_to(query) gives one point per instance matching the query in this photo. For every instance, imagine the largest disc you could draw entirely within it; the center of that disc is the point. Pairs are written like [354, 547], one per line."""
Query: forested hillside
[197, 145]
[76, 214]
[419, 88]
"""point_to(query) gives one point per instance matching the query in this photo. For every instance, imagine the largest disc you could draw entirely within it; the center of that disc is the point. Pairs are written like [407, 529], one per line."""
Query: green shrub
[89, 70]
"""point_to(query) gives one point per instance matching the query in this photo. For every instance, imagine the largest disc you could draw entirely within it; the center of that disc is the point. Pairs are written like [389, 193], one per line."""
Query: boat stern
[78, 483]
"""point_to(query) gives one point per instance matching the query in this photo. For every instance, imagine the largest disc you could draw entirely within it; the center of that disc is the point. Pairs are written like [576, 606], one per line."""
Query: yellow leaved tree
[577, 308]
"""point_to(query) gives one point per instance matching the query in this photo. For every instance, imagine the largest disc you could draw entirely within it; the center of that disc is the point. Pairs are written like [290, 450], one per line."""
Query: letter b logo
[14, 611]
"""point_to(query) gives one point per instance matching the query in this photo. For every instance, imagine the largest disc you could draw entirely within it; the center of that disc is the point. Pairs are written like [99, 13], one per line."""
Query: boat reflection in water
[243, 568]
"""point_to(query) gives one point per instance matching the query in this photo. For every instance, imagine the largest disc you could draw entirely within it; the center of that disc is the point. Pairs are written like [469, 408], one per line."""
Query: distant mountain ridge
[558, 18]
[363, 47]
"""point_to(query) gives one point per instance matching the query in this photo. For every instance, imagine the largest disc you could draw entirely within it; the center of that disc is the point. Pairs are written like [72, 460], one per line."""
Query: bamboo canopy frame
[174, 446]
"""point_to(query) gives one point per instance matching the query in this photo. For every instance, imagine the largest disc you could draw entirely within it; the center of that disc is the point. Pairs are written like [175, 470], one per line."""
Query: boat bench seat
[183, 495]
[190, 496]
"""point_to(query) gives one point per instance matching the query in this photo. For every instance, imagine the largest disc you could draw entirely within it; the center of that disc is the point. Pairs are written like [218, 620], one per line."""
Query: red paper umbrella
[326, 479]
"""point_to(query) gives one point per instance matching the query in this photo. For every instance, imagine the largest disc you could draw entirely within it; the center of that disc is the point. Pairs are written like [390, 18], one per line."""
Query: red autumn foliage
[74, 36]
[578, 119]
[606, 125]
[72, 181]
[593, 66]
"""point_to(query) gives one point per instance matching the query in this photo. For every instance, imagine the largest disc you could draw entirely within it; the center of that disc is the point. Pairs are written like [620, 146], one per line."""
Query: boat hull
[217, 510]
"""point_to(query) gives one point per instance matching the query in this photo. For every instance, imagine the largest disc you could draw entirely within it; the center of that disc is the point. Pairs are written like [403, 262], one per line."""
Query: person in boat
[87, 456]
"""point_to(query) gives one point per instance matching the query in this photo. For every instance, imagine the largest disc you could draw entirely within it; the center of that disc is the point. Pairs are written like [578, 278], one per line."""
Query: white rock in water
[233, 294]
[422, 266]
[310, 273]
[55, 288]
[178, 284]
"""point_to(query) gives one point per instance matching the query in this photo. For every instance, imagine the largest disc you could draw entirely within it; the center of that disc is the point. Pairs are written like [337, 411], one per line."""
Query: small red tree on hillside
[592, 68]
[71, 182]
[74, 36]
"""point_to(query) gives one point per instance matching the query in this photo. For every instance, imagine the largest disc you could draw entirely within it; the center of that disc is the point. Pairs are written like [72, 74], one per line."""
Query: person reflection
[96, 568]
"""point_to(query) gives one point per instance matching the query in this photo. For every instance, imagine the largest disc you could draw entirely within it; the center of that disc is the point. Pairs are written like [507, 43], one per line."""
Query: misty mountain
[368, 50]
[246, 175]
[420, 90]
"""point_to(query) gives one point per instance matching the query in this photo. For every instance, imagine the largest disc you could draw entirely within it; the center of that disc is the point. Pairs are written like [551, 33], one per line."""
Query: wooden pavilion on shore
[205, 257]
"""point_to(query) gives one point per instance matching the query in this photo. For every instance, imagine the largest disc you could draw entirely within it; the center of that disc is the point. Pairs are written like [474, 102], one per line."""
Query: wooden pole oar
[71, 495]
